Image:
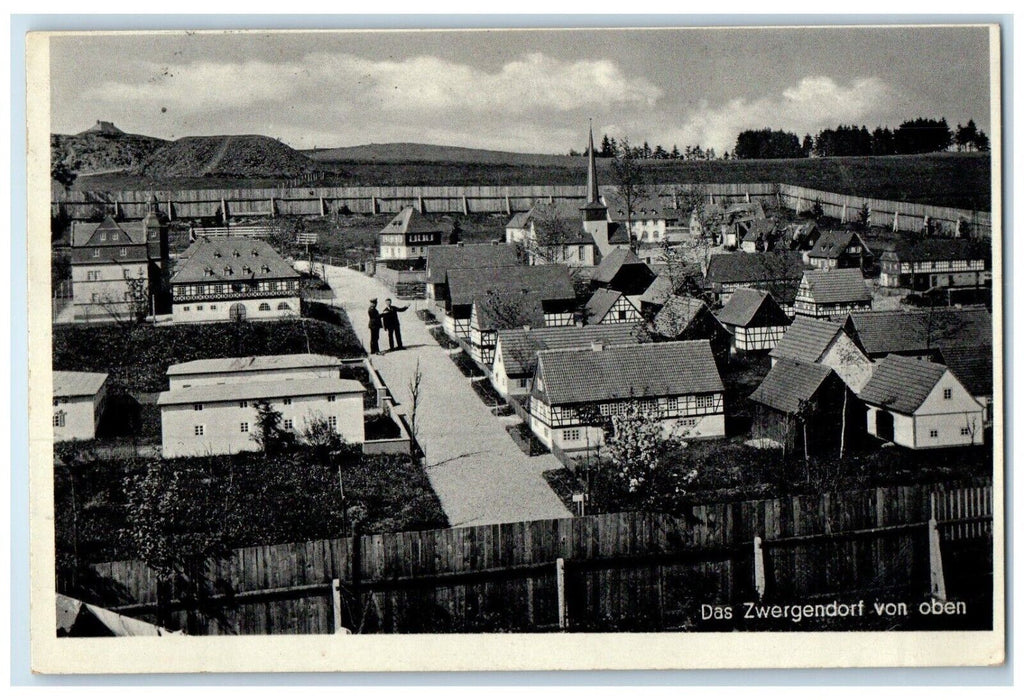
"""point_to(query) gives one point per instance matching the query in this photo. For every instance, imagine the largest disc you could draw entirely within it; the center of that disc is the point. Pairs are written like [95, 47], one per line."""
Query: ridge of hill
[102, 150]
[226, 156]
[432, 153]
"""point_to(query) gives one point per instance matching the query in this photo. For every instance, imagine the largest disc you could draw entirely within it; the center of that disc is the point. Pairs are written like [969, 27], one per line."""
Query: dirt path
[218, 156]
[479, 474]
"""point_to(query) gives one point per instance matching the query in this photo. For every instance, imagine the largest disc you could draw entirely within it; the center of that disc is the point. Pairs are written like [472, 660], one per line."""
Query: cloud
[813, 104]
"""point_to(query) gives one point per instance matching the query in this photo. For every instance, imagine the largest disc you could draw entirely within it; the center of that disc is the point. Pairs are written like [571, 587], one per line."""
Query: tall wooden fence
[601, 572]
[320, 201]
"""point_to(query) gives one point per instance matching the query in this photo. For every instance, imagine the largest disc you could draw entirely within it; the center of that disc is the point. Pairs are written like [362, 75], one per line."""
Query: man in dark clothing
[375, 325]
[389, 316]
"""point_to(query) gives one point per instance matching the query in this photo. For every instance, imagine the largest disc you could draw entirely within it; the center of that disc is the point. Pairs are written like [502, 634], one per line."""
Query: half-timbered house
[826, 343]
[833, 292]
[754, 319]
[610, 306]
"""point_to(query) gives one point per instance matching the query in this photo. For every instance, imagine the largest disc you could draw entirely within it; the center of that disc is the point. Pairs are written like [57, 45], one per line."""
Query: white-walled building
[920, 404]
[78, 401]
[409, 235]
[210, 407]
[826, 343]
[552, 232]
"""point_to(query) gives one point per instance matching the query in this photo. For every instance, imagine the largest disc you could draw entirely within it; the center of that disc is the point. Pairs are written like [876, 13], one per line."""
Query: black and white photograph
[641, 342]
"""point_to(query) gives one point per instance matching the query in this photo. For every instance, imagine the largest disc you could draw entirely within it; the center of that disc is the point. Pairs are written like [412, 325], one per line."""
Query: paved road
[477, 471]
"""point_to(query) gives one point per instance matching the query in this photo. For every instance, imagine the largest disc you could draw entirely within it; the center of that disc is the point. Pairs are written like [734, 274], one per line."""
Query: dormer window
[235, 254]
[246, 270]
[216, 253]
[265, 268]
[208, 272]
[103, 236]
[255, 253]
[228, 270]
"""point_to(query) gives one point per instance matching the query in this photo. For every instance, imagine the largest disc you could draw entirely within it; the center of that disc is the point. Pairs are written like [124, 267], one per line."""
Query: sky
[525, 91]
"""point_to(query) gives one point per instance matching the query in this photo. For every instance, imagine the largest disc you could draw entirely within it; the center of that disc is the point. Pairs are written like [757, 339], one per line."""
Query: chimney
[597, 346]
[526, 327]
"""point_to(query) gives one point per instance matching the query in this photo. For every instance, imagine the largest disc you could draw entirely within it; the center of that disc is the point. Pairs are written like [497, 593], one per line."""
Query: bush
[438, 334]
[524, 438]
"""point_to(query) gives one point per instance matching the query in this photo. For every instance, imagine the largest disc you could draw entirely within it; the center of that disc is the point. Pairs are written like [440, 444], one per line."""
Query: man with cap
[375, 326]
[391, 324]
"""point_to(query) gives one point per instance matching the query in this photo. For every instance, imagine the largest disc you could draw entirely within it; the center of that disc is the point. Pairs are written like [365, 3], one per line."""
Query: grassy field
[946, 179]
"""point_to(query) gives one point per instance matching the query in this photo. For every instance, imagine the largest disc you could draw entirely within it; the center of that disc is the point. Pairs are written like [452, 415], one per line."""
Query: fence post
[937, 583]
[374, 209]
[323, 207]
[336, 606]
[508, 204]
[842, 217]
[224, 211]
[273, 207]
[895, 221]
[563, 619]
[759, 584]
[465, 205]
[422, 209]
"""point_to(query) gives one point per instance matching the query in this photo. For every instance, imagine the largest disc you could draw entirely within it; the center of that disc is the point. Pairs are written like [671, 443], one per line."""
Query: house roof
[797, 233]
[677, 314]
[759, 228]
[600, 303]
[744, 211]
[744, 304]
[679, 368]
[837, 286]
[232, 260]
[77, 383]
[650, 208]
[617, 233]
[251, 391]
[972, 366]
[807, 339]
[789, 383]
[613, 263]
[255, 363]
[495, 311]
[118, 232]
[901, 384]
[443, 257]
[832, 244]
[658, 291]
[519, 346]
[739, 268]
[883, 332]
[559, 209]
[932, 249]
[550, 282]
[411, 221]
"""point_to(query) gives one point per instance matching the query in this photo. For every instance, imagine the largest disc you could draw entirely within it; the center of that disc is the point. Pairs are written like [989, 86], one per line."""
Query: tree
[552, 234]
[636, 447]
[322, 438]
[631, 183]
[269, 435]
[415, 396]
[766, 143]
[807, 148]
[607, 147]
[922, 135]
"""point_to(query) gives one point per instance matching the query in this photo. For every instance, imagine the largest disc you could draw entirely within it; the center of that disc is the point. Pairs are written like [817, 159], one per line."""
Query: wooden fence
[320, 201]
[601, 572]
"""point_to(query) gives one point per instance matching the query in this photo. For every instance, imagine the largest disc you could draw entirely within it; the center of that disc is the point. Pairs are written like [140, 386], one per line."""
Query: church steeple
[594, 208]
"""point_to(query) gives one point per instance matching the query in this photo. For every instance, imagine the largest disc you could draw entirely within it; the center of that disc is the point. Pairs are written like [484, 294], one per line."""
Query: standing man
[375, 325]
[392, 325]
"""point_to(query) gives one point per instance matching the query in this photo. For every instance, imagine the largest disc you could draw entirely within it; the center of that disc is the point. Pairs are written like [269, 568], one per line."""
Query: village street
[478, 473]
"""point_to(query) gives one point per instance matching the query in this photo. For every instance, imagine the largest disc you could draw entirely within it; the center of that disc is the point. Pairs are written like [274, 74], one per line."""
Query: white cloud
[813, 104]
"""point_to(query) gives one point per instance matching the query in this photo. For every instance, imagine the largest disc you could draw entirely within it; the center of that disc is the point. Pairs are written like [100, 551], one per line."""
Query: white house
[409, 235]
[826, 343]
[920, 404]
[442, 258]
[754, 319]
[832, 292]
[677, 380]
[78, 402]
[552, 232]
[210, 406]
[610, 306]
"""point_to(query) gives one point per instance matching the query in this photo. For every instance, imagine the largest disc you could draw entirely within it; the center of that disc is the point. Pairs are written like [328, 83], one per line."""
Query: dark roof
[232, 259]
[832, 244]
[600, 303]
[789, 383]
[932, 249]
[550, 282]
[519, 347]
[901, 383]
[677, 314]
[411, 221]
[883, 332]
[443, 257]
[617, 233]
[650, 208]
[658, 291]
[837, 286]
[972, 366]
[744, 304]
[497, 310]
[627, 371]
[744, 211]
[559, 209]
[807, 339]
[760, 228]
[739, 268]
[613, 262]
[118, 232]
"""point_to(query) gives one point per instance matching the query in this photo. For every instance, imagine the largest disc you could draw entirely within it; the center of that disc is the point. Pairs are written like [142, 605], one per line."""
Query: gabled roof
[650, 208]
[77, 383]
[932, 249]
[658, 291]
[118, 232]
[760, 228]
[901, 384]
[883, 332]
[617, 234]
[549, 282]
[789, 384]
[832, 244]
[244, 391]
[615, 261]
[600, 303]
[443, 257]
[519, 346]
[232, 260]
[807, 339]
[677, 314]
[627, 371]
[255, 363]
[559, 209]
[972, 366]
[498, 310]
[411, 221]
[740, 268]
[744, 304]
[744, 211]
[837, 286]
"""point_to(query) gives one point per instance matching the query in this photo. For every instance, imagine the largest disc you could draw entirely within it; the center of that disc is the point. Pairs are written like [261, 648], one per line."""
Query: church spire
[593, 194]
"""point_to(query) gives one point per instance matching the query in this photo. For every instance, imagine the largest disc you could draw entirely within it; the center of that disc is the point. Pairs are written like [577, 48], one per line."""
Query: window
[199, 307]
[123, 252]
[264, 306]
[933, 433]
[331, 398]
[243, 404]
[332, 422]
[127, 274]
[213, 307]
[622, 315]
[95, 252]
[287, 402]
[92, 275]
[186, 308]
[198, 407]
[283, 306]
[199, 430]
[947, 393]
[571, 434]
[965, 431]
[672, 404]
[95, 297]
[243, 427]
[522, 383]
[59, 419]
[706, 401]
[103, 236]
[287, 423]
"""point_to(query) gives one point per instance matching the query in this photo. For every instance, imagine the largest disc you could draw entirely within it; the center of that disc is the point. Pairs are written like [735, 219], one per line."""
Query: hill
[102, 148]
[225, 157]
[430, 153]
